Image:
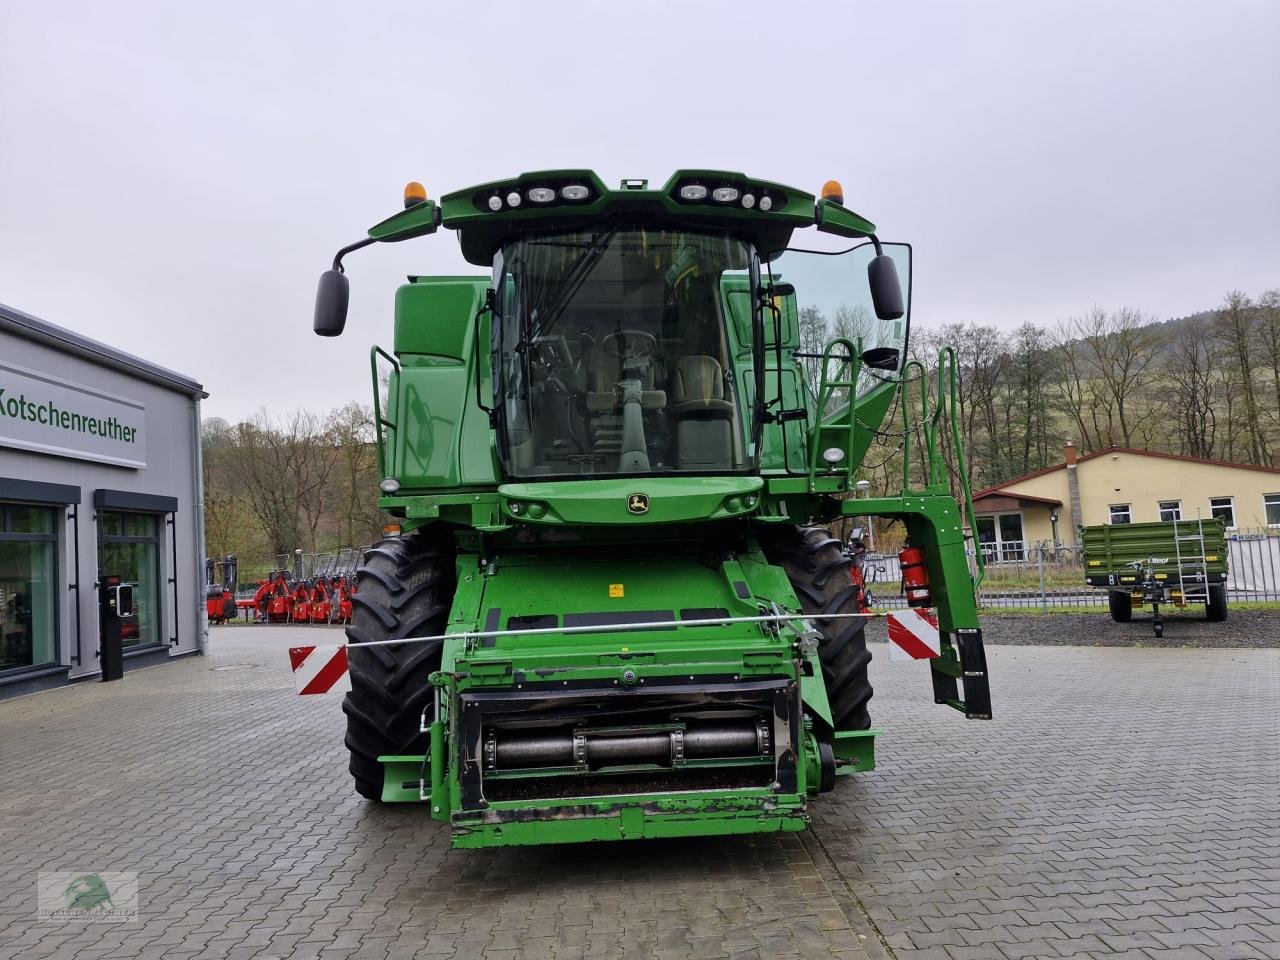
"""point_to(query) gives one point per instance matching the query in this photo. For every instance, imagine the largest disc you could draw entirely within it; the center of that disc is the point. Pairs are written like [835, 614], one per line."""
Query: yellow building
[1121, 485]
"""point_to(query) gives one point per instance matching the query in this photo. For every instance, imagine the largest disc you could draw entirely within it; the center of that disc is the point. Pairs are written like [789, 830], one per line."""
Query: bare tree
[1192, 387]
[1030, 432]
[316, 455]
[1120, 351]
[1269, 330]
[1235, 329]
[355, 507]
[1076, 392]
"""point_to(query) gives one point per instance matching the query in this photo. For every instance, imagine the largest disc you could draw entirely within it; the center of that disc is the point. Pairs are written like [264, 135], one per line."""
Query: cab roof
[550, 201]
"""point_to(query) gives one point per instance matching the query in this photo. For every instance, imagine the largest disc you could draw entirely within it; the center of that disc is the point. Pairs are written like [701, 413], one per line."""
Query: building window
[1224, 509]
[1170, 510]
[1000, 537]
[1271, 507]
[1120, 513]
[28, 595]
[129, 548]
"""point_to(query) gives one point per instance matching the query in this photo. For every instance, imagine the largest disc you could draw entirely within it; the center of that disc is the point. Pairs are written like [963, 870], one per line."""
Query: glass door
[129, 548]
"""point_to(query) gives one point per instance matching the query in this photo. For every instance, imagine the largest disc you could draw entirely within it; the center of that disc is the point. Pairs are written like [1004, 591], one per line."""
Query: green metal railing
[945, 405]
[850, 365]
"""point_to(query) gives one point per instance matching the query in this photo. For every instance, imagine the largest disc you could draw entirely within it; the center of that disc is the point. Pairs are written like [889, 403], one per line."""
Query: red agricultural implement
[300, 602]
[271, 603]
[306, 588]
[344, 590]
[220, 589]
[321, 605]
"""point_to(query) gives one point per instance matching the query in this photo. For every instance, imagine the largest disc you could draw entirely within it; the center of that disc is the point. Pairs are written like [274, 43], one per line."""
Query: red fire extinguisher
[915, 577]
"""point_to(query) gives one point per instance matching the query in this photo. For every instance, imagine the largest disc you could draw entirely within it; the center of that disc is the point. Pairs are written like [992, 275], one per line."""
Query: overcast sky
[173, 176]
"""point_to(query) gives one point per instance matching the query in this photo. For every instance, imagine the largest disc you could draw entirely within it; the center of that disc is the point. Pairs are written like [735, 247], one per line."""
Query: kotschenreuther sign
[43, 413]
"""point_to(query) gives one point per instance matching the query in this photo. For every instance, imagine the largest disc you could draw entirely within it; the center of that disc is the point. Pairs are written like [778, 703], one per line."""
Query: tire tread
[404, 588]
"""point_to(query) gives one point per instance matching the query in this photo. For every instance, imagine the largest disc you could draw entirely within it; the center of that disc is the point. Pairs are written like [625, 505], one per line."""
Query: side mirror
[881, 358]
[886, 291]
[124, 600]
[331, 303]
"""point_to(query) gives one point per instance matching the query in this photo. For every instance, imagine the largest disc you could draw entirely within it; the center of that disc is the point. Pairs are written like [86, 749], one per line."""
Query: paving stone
[1121, 804]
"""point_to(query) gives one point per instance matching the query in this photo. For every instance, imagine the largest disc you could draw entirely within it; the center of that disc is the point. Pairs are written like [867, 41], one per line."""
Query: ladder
[839, 431]
[1196, 560]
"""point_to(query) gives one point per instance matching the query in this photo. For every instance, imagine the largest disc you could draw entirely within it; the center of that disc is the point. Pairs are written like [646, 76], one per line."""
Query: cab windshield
[612, 356]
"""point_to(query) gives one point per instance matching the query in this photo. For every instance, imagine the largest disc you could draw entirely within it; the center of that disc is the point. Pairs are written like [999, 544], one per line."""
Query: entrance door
[129, 548]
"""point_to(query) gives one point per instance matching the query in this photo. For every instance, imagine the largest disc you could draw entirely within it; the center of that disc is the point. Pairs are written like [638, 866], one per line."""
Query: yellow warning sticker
[616, 590]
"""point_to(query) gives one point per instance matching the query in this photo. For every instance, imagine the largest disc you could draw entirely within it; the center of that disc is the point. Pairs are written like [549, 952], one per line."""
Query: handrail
[947, 357]
[378, 420]
[946, 398]
[826, 389]
[906, 378]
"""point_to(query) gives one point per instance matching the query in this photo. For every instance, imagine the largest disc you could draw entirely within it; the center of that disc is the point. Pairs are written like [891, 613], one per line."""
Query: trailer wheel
[405, 588]
[1215, 609]
[819, 572]
[1121, 603]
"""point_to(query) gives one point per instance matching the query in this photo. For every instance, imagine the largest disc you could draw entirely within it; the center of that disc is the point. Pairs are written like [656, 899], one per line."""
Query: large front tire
[819, 573]
[405, 588]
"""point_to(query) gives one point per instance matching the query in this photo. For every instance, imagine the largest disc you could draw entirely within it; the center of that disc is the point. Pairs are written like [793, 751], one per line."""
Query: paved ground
[1182, 628]
[1125, 803]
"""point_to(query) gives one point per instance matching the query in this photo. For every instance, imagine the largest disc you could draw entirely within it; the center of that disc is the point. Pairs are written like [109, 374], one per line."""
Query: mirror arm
[337, 257]
[875, 241]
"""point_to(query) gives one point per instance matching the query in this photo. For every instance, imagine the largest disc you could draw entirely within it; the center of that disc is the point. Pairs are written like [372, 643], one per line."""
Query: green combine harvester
[621, 613]
[1172, 561]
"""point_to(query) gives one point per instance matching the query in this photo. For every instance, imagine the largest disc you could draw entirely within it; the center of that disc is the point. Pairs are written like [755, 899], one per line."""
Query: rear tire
[405, 589]
[1121, 604]
[819, 573]
[1215, 610]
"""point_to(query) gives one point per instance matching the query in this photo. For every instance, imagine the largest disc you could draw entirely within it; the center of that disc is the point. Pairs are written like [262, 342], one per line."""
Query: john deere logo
[638, 503]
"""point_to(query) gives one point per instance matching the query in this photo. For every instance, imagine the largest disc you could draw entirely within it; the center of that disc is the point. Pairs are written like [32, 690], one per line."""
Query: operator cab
[642, 332]
[612, 353]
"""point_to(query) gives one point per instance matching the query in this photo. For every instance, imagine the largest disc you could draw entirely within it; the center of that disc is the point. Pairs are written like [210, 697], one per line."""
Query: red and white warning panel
[320, 669]
[913, 634]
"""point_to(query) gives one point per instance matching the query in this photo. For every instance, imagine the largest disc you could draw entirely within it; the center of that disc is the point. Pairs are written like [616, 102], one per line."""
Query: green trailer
[613, 608]
[1177, 561]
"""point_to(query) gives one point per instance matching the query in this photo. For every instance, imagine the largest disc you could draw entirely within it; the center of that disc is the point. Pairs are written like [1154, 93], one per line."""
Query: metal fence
[1039, 575]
